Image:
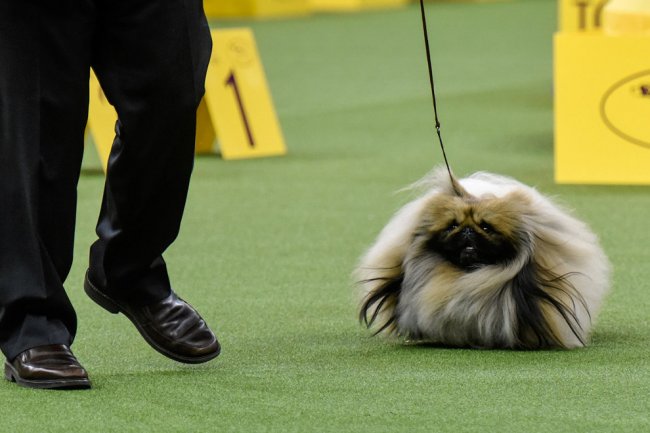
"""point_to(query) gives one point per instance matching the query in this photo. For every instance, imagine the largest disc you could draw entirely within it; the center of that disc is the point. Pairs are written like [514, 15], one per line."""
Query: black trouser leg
[151, 58]
[44, 58]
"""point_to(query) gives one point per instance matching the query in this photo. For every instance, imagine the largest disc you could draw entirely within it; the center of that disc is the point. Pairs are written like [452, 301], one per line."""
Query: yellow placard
[580, 15]
[602, 109]
[383, 3]
[238, 98]
[101, 121]
[255, 8]
[335, 5]
[353, 5]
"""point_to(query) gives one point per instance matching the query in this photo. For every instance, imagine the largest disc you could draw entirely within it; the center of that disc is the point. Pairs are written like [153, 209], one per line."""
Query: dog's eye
[452, 226]
[487, 228]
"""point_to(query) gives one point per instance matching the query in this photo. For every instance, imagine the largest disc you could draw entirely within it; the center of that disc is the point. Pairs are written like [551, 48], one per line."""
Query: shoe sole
[12, 376]
[114, 307]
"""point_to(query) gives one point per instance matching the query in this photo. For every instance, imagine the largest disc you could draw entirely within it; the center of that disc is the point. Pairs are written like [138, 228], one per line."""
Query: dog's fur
[484, 262]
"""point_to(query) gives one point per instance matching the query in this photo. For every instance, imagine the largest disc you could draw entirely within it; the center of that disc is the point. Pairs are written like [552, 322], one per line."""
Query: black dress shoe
[171, 326]
[52, 366]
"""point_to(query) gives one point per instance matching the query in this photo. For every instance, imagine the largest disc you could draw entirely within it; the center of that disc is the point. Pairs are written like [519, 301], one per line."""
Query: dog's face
[470, 233]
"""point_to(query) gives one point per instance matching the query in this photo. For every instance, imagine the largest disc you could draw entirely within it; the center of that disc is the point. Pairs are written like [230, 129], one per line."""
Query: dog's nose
[467, 233]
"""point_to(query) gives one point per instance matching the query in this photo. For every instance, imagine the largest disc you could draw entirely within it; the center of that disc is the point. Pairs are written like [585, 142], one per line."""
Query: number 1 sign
[238, 98]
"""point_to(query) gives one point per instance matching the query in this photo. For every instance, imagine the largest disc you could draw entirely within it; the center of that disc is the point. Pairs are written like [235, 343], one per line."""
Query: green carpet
[267, 247]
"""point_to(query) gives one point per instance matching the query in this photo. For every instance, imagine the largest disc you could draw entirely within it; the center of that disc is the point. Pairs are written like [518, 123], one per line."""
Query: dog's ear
[380, 273]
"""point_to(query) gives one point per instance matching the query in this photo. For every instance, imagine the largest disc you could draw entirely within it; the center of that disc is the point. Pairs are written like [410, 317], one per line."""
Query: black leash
[433, 91]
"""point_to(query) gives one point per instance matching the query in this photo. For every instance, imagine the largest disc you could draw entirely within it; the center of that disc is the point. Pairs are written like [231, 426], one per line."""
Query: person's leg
[151, 58]
[44, 52]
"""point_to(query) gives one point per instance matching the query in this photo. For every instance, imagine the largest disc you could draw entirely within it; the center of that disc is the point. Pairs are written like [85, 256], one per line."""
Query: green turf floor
[267, 247]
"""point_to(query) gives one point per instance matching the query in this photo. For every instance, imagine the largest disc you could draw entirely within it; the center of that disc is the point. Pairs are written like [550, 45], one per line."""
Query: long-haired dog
[484, 262]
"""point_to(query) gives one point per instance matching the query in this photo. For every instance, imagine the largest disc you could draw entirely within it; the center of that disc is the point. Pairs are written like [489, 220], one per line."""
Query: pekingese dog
[484, 262]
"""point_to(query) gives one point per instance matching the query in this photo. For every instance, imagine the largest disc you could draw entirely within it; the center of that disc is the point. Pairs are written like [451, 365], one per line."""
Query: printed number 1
[231, 81]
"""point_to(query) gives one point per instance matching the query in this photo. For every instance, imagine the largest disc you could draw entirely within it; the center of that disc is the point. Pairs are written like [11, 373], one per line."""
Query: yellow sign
[335, 5]
[237, 105]
[602, 109]
[101, 121]
[238, 98]
[383, 3]
[353, 5]
[580, 15]
[255, 8]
